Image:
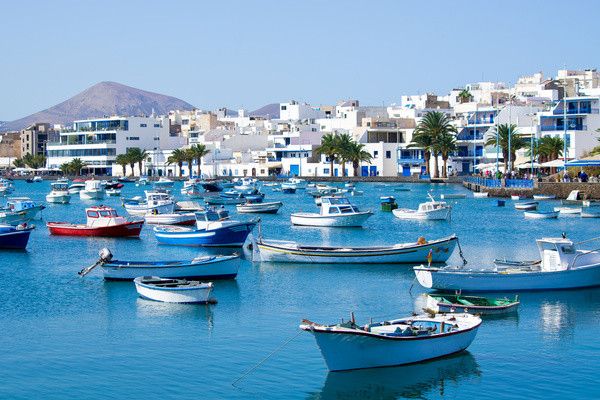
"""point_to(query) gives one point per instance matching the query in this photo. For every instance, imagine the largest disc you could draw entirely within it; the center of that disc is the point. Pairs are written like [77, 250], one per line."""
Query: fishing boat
[288, 190]
[448, 196]
[172, 290]
[224, 201]
[335, 212]
[188, 206]
[213, 228]
[574, 197]
[297, 182]
[24, 205]
[400, 253]
[568, 210]
[125, 179]
[516, 197]
[544, 197]
[348, 346]
[101, 221]
[159, 202]
[163, 184]
[562, 266]
[13, 218]
[170, 219]
[586, 213]
[479, 195]
[212, 186]
[93, 190]
[205, 267]
[457, 303]
[430, 210]
[259, 208]
[142, 181]
[192, 192]
[6, 187]
[112, 184]
[113, 192]
[59, 193]
[37, 179]
[245, 184]
[76, 187]
[541, 214]
[526, 205]
[388, 203]
[15, 237]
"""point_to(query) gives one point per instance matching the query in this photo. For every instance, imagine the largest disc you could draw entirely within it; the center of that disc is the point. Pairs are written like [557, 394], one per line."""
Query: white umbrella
[528, 165]
[554, 164]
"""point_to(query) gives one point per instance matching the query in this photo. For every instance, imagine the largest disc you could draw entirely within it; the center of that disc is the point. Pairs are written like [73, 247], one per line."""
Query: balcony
[469, 137]
[576, 127]
[577, 110]
[407, 160]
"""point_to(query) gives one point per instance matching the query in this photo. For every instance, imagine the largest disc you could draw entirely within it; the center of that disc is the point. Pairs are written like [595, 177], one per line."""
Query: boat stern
[424, 276]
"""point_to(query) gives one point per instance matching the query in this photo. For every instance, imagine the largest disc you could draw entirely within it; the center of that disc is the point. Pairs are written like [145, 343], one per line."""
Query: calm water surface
[67, 337]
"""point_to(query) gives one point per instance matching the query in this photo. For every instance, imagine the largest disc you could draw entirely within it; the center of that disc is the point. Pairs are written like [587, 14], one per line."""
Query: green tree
[188, 157]
[199, 151]
[29, 160]
[177, 157]
[464, 96]
[77, 165]
[446, 144]
[504, 132]
[428, 132]
[550, 147]
[136, 155]
[19, 163]
[329, 148]
[66, 168]
[122, 160]
[344, 143]
[356, 154]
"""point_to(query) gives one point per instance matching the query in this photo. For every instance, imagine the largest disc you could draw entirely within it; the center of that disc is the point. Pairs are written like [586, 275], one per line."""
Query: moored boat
[568, 210]
[24, 206]
[93, 190]
[586, 213]
[172, 290]
[562, 266]
[334, 212]
[448, 196]
[286, 251]
[159, 202]
[59, 193]
[15, 237]
[259, 208]
[408, 340]
[544, 197]
[163, 184]
[458, 303]
[526, 205]
[113, 192]
[479, 195]
[101, 221]
[76, 187]
[541, 214]
[388, 203]
[430, 210]
[516, 197]
[170, 219]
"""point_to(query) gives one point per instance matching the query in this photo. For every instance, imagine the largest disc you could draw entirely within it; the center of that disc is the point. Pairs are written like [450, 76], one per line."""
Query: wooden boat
[544, 197]
[15, 237]
[206, 267]
[430, 210]
[516, 197]
[259, 208]
[163, 184]
[388, 203]
[449, 196]
[93, 190]
[6, 187]
[457, 303]
[76, 187]
[171, 219]
[526, 205]
[224, 201]
[285, 251]
[348, 346]
[172, 290]
[159, 202]
[541, 214]
[59, 193]
[568, 210]
[335, 212]
[479, 195]
[113, 192]
[212, 186]
[101, 221]
[24, 205]
[563, 266]
[188, 206]
[212, 229]
[13, 218]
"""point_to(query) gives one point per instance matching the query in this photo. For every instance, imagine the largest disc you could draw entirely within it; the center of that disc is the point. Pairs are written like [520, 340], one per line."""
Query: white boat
[590, 214]
[574, 197]
[93, 190]
[76, 187]
[526, 205]
[516, 197]
[287, 251]
[448, 196]
[408, 340]
[159, 202]
[568, 210]
[563, 266]
[6, 187]
[163, 183]
[113, 192]
[59, 193]
[38, 179]
[172, 290]
[259, 208]
[541, 214]
[23, 206]
[171, 219]
[459, 303]
[335, 212]
[143, 181]
[296, 182]
[544, 197]
[479, 195]
[430, 210]
[245, 184]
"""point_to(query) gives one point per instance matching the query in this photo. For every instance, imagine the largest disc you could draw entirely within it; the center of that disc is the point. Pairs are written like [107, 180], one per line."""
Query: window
[157, 125]
[262, 171]
[388, 154]
[368, 124]
[185, 121]
[334, 210]
[283, 108]
[143, 125]
[133, 138]
[92, 214]
[375, 154]
[325, 170]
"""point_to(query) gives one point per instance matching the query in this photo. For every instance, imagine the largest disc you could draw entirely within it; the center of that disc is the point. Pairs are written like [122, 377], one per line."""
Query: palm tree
[66, 168]
[122, 160]
[504, 132]
[188, 157]
[356, 154]
[77, 165]
[446, 144]
[199, 151]
[19, 163]
[426, 135]
[177, 157]
[550, 147]
[136, 155]
[344, 143]
[464, 96]
[329, 148]
[29, 160]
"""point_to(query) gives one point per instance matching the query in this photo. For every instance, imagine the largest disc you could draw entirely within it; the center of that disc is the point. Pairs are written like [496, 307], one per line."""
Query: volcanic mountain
[104, 98]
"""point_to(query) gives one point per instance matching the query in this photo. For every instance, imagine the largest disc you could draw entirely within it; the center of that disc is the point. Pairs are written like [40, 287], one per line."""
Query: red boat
[101, 221]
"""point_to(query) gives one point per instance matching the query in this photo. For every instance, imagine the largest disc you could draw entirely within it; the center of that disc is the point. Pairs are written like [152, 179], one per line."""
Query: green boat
[457, 303]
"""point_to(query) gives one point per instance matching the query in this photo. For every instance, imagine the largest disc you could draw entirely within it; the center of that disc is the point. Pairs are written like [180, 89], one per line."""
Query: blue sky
[250, 53]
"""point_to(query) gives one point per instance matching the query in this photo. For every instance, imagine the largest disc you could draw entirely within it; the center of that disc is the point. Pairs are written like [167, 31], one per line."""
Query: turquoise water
[67, 337]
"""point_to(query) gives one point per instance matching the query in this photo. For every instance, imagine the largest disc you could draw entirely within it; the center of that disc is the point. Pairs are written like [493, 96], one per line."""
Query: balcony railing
[519, 183]
[81, 143]
[484, 181]
[469, 137]
[545, 128]
[571, 111]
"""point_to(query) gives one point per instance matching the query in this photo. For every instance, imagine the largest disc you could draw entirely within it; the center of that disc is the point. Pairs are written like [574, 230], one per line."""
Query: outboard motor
[105, 256]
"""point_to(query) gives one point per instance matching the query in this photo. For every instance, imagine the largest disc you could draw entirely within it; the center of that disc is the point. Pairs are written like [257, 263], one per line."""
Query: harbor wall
[559, 189]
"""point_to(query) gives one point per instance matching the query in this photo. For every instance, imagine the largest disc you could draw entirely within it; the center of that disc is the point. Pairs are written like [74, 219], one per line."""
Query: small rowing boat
[568, 210]
[526, 205]
[480, 195]
[259, 208]
[172, 290]
[448, 196]
[335, 212]
[544, 197]
[457, 303]
[541, 214]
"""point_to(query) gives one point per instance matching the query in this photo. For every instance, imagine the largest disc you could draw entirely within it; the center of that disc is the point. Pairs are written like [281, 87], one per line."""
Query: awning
[559, 163]
[583, 163]
[528, 165]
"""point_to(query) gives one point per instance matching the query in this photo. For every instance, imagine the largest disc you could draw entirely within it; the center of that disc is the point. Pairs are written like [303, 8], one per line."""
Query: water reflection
[395, 382]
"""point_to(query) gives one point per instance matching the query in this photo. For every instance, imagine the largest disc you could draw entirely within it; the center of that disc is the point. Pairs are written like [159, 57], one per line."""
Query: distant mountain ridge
[270, 110]
[104, 98]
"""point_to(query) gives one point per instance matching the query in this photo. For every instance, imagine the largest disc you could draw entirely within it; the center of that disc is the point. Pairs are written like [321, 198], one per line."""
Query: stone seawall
[559, 189]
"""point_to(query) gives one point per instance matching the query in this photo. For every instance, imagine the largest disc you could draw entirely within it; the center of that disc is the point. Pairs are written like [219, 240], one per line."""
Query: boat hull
[432, 278]
[259, 208]
[340, 220]
[15, 239]
[343, 351]
[58, 198]
[143, 209]
[91, 195]
[541, 215]
[171, 219]
[435, 215]
[443, 307]
[229, 236]
[198, 294]
[129, 229]
[225, 267]
[441, 250]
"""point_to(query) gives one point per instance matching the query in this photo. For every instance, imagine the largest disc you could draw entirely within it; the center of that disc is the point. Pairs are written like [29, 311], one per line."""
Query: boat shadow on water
[412, 381]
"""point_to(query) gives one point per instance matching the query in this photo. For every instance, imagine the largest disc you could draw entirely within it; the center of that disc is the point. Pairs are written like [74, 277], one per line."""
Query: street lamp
[531, 114]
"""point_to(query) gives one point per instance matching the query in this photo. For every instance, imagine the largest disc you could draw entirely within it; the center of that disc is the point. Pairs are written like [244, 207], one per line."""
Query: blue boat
[14, 237]
[211, 230]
